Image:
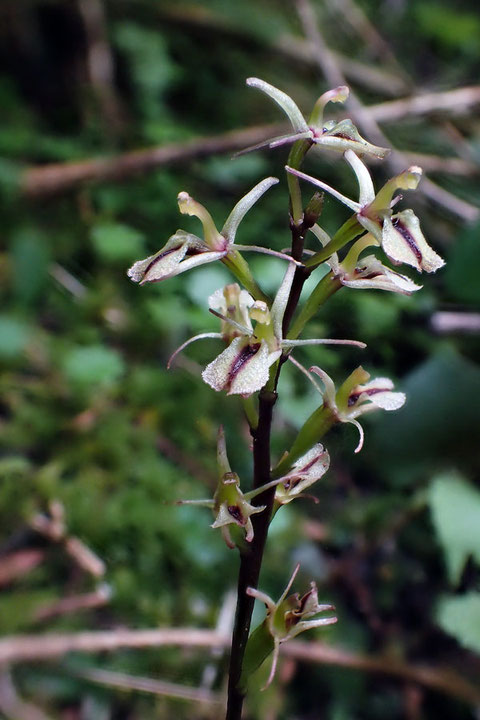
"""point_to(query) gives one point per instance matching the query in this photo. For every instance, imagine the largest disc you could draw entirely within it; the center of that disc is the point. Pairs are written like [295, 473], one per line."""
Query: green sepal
[237, 264]
[319, 423]
[327, 286]
[260, 645]
[349, 231]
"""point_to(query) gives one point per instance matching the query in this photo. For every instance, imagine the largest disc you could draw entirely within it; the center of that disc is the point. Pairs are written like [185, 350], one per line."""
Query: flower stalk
[260, 334]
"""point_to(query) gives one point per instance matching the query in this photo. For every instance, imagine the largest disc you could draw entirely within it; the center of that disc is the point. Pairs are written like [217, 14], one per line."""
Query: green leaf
[14, 335]
[463, 261]
[30, 260]
[115, 242]
[421, 434]
[259, 646]
[460, 616]
[93, 364]
[455, 508]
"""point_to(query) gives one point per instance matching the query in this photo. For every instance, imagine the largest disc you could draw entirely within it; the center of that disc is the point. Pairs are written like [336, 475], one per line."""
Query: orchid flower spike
[305, 472]
[398, 233]
[331, 135]
[368, 272]
[357, 396]
[243, 367]
[289, 616]
[231, 506]
[184, 250]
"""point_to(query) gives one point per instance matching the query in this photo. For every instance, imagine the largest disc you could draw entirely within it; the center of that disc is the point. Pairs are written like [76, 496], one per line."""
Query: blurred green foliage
[90, 417]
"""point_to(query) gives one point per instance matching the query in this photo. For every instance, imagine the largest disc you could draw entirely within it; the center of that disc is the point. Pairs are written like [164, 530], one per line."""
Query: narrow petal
[281, 299]
[329, 392]
[403, 242]
[222, 456]
[273, 669]
[365, 182]
[275, 142]
[307, 374]
[311, 624]
[244, 330]
[323, 341]
[267, 251]
[288, 139]
[191, 340]
[356, 207]
[288, 106]
[320, 234]
[261, 597]
[229, 230]
[361, 433]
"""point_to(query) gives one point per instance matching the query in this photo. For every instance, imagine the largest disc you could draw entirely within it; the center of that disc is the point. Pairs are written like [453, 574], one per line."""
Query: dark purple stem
[251, 558]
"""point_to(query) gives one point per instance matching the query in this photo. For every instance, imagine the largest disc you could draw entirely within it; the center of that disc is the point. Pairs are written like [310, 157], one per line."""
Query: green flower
[286, 618]
[398, 233]
[332, 135]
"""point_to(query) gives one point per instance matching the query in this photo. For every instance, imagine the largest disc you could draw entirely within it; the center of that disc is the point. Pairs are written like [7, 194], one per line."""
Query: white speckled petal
[373, 275]
[307, 470]
[242, 368]
[403, 242]
[377, 394]
[157, 266]
[172, 259]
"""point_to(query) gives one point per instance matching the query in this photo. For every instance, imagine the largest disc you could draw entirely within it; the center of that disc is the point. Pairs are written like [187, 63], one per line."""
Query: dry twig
[148, 685]
[14, 707]
[16, 649]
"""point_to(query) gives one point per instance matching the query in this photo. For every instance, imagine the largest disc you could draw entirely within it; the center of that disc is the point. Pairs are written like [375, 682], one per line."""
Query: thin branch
[445, 321]
[25, 648]
[13, 707]
[441, 679]
[148, 685]
[224, 626]
[288, 47]
[18, 564]
[350, 12]
[452, 101]
[53, 527]
[31, 648]
[367, 122]
[60, 177]
[56, 178]
[99, 62]
[67, 605]
[68, 281]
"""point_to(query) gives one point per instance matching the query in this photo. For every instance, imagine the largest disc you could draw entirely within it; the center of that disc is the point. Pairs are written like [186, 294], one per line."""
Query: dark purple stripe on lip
[159, 257]
[353, 397]
[245, 354]
[313, 462]
[236, 514]
[408, 237]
